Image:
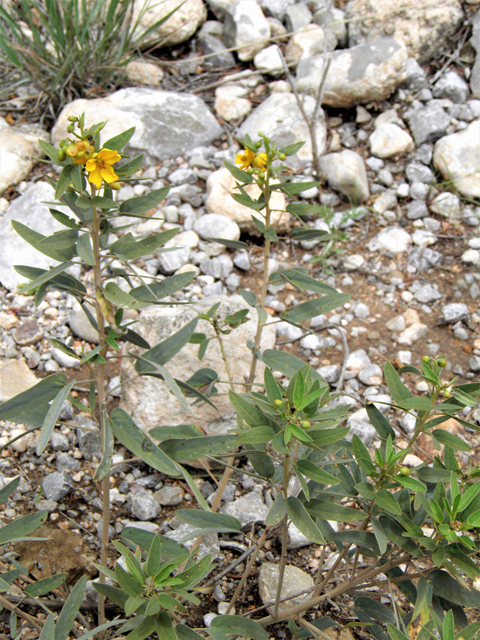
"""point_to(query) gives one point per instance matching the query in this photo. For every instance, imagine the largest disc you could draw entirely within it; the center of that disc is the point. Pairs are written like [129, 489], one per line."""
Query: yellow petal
[109, 156]
[91, 164]
[108, 174]
[95, 178]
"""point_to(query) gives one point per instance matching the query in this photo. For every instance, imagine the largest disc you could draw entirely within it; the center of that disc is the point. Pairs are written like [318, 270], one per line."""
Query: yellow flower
[84, 152]
[260, 161]
[99, 167]
[245, 159]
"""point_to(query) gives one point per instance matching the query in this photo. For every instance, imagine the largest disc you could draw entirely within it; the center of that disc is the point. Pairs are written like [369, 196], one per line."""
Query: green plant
[417, 527]
[70, 48]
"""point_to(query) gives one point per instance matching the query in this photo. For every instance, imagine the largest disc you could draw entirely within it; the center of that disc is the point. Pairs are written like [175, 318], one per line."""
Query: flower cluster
[249, 159]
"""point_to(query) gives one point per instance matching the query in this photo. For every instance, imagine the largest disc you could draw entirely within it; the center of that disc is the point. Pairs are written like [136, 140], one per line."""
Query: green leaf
[34, 239]
[374, 609]
[184, 450]
[257, 435]
[141, 248]
[293, 188]
[231, 244]
[299, 278]
[179, 431]
[158, 290]
[291, 149]
[328, 436]
[398, 390]
[49, 150]
[115, 594]
[64, 180]
[421, 404]
[70, 609]
[465, 399]
[119, 298]
[8, 489]
[305, 208]
[287, 363]
[302, 520]
[315, 473]
[140, 444]
[360, 538]
[450, 440]
[387, 501]
[241, 176]
[164, 374]
[311, 308]
[466, 498]
[143, 204]
[145, 629]
[249, 297]
[240, 626]
[396, 634]
[166, 350]
[165, 628]
[31, 406]
[262, 463]
[40, 588]
[119, 141]
[250, 414]
[144, 540]
[129, 168]
[309, 234]
[277, 511]
[185, 633]
[411, 483]
[446, 587]
[394, 532]
[52, 417]
[336, 512]
[379, 422]
[84, 249]
[207, 520]
[62, 218]
[271, 386]
[106, 462]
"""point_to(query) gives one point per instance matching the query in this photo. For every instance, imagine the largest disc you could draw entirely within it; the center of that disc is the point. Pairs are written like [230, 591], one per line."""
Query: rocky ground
[400, 189]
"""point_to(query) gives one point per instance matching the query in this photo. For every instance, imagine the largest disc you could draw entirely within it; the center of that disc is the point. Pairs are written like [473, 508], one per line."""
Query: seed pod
[442, 362]
[282, 156]
[258, 144]
[426, 359]
[305, 424]
[62, 155]
[115, 186]
[405, 471]
[278, 403]
[71, 128]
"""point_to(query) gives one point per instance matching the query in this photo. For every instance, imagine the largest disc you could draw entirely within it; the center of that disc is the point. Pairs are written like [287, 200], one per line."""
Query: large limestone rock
[19, 149]
[362, 74]
[280, 118]
[424, 27]
[167, 124]
[308, 42]
[221, 186]
[181, 25]
[246, 27]
[30, 210]
[149, 401]
[457, 157]
[294, 582]
[346, 174]
[389, 140]
[15, 378]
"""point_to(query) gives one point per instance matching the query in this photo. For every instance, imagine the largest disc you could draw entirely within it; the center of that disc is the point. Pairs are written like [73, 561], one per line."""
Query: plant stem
[100, 384]
[247, 570]
[281, 569]
[263, 295]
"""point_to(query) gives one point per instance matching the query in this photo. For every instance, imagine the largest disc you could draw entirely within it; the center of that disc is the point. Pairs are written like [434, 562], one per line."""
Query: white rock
[423, 238]
[394, 239]
[346, 174]
[167, 124]
[18, 155]
[280, 118]
[269, 61]
[369, 72]
[220, 186]
[215, 225]
[149, 400]
[15, 378]
[390, 140]
[180, 26]
[457, 157]
[230, 107]
[425, 27]
[413, 333]
[308, 42]
[471, 256]
[144, 72]
[247, 28]
[446, 204]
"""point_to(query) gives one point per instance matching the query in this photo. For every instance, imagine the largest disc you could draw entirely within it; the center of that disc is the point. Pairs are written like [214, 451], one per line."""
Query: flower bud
[282, 156]
[426, 359]
[71, 128]
[305, 424]
[442, 362]
[72, 150]
[61, 155]
[278, 403]
[250, 171]
[447, 393]
[72, 118]
[115, 186]
[405, 471]
[258, 144]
